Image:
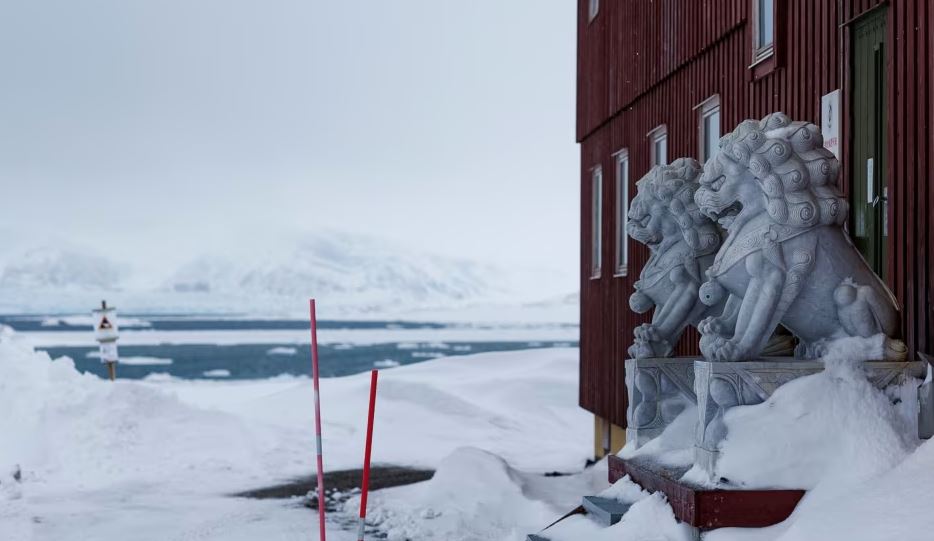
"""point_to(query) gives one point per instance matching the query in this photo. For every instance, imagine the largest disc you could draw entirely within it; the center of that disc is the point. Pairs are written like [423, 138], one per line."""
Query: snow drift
[829, 428]
[158, 459]
[649, 519]
[852, 445]
[476, 496]
[77, 430]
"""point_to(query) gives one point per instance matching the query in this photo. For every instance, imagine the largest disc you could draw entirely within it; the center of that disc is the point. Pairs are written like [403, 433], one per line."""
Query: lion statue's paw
[728, 351]
[711, 342]
[711, 325]
[640, 350]
[721, 348]
[646, 332]
[643, 348]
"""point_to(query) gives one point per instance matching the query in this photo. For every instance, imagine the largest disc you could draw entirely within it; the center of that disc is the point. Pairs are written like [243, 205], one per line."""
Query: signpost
[106, 334]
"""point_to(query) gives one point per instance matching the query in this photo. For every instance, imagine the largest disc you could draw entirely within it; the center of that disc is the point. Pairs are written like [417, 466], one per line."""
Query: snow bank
[674, 446]
[476, 496]
[833, 427]
[893, 504]
[649, 519]
[855, 447]
[68, 429]
[157, 459]
[519, 405]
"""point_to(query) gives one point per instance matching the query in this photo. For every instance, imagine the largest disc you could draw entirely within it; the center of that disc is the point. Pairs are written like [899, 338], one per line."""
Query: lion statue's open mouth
[638, 228]
[725, 216]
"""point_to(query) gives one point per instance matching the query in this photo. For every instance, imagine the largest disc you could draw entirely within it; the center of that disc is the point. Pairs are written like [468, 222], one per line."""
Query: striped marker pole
[314, 375]
[366, 457]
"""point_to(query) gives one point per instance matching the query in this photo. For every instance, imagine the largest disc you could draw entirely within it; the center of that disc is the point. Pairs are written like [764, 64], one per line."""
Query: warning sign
[105, 324]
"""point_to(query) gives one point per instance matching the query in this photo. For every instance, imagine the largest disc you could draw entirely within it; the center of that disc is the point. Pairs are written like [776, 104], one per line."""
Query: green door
[869, 189]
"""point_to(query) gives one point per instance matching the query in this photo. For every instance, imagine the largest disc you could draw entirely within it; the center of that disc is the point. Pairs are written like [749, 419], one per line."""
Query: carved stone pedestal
[720, 386]
[659, 389]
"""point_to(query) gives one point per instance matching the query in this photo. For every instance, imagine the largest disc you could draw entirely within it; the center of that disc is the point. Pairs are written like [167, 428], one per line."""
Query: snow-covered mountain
[352, 275]
[56, 268]
[355, 272]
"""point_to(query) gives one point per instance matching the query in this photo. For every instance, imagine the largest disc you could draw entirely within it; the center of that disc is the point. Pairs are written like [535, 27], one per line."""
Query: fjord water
[164, 356]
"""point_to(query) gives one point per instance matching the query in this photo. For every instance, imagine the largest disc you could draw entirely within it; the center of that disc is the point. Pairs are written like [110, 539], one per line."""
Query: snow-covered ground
[157, 460]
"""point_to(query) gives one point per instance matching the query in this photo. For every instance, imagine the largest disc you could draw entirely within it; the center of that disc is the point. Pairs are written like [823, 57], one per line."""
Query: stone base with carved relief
[719, 386]
[659, 389]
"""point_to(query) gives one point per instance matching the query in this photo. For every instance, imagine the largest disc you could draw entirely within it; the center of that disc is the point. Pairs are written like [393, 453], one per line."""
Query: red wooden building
[660, 79]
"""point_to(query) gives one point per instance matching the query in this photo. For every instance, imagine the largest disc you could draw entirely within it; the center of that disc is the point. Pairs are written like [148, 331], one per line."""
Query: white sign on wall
[830, 121]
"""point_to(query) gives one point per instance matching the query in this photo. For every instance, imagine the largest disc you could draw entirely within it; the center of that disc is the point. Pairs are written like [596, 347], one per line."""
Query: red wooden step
[708, 508]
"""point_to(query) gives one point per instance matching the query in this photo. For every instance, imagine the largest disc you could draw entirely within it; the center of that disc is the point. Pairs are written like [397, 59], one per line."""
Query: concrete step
[605, 511]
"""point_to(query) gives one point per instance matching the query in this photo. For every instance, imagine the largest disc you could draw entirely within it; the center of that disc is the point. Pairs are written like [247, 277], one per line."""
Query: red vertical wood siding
[643, 63]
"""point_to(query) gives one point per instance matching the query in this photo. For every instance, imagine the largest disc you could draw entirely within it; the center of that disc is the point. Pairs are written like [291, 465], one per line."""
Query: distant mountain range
[351, 275]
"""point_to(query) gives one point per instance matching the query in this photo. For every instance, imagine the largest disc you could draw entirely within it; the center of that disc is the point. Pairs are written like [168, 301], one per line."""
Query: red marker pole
[314, 376]
[366, 457]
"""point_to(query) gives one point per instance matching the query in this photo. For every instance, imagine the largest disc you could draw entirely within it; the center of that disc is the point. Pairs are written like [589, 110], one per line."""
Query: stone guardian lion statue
[786, 259]
[682, 242]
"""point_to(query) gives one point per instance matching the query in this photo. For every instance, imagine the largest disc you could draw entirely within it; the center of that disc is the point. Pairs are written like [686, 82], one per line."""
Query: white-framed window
[593, 7]
[708, 127]
[659, 141]
[622, 212]
[763, 32]
[596, 221]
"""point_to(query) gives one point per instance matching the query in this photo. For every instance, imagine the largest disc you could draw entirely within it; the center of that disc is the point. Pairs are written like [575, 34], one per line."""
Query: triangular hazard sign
[105, 324]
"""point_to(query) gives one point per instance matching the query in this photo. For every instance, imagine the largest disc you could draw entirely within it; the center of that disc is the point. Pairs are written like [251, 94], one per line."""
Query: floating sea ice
[426, 354]
[386, 363]
[143, 361]
[282, 351]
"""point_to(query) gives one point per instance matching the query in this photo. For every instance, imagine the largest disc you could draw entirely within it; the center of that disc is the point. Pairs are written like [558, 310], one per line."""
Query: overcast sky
[158, 128]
